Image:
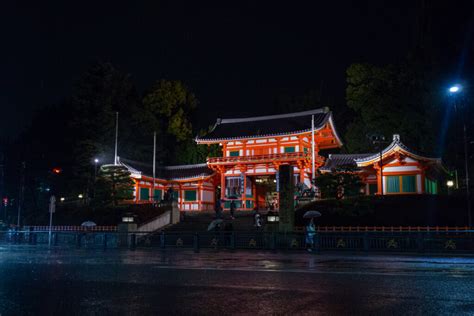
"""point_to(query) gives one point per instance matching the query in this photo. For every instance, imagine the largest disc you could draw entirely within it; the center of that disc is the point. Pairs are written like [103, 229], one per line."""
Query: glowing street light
[80, 196]
[96, 160]
[62, 199]
[450, 183]
[455, 88]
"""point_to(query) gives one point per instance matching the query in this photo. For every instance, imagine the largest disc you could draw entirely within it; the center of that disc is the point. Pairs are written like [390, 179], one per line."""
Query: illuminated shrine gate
[253, 149]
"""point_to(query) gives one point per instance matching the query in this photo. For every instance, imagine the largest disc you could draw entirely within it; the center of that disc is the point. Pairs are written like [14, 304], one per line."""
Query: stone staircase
[199, 221]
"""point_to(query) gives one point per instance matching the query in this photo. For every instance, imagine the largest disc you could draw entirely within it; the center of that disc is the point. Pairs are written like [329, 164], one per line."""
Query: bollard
[105, 242]
[162, 240]
[366, 242]
[419, 242]
[232, 241]
[78, 240]
[274, 242]
[196, 243]
[133, 241]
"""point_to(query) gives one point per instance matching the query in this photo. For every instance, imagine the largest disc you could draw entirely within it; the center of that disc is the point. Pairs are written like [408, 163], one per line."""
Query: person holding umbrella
[310, 229]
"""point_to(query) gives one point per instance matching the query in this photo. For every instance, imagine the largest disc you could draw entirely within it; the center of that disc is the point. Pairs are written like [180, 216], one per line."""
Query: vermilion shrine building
[252, 150]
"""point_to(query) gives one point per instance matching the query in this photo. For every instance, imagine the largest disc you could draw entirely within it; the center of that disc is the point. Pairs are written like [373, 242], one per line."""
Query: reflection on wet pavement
[59, 281]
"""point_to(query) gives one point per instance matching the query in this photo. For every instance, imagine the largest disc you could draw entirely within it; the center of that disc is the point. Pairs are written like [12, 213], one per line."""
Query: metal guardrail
[350, 229]
[435, 242]
[62, 228]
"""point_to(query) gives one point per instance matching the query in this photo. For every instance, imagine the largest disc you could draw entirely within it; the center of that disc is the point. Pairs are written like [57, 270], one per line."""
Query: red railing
[348, 229]
[265, 158]
[73, 228]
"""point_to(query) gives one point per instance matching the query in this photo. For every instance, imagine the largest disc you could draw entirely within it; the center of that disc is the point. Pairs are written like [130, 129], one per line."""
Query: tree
[189, 152]
[113, 184]
[340, 182]
[101, 92]
[167, 109]
[393, 99]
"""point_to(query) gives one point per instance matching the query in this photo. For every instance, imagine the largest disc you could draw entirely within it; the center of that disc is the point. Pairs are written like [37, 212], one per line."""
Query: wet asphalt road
[59, 282]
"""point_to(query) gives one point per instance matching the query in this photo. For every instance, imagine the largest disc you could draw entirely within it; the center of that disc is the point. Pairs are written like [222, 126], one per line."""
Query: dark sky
[236, 56]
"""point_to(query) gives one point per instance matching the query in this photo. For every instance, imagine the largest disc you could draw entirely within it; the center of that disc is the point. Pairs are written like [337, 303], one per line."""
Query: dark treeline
[56, 154]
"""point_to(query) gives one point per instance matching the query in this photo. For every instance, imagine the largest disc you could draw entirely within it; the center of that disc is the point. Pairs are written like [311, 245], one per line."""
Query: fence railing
[435, 242]
[72, 228]
[389, 228]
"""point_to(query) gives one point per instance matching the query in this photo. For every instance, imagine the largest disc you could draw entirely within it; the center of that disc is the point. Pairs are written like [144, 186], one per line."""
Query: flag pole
[312, 151]
[116, 137]
[154, 165]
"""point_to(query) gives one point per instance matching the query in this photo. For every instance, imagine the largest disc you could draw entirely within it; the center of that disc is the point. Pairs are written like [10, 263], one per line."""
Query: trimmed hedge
[394, 210]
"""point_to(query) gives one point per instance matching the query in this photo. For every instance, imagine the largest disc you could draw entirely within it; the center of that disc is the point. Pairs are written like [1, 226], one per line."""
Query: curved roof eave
[395, 146]
[328, 119]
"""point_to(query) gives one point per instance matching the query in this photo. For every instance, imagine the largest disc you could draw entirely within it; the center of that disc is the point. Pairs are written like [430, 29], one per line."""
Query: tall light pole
[96, 161]
[378, 140]
[454, 91]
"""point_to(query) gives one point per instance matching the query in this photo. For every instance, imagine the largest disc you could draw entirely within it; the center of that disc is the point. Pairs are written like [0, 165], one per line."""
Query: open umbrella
[214, 223]
[311, 214]
[88, 224]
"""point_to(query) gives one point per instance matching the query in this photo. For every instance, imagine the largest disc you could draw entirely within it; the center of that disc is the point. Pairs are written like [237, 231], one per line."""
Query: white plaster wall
[384, 185]
[400, 169]
[418, 183]
[207, 196]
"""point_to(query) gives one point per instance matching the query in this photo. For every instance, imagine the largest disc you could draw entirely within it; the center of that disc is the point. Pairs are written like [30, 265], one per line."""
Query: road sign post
[52, 209]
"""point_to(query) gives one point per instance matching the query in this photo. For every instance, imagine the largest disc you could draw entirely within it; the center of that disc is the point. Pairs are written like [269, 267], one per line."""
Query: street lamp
[450, 183]
[96, 161]
[454, 91]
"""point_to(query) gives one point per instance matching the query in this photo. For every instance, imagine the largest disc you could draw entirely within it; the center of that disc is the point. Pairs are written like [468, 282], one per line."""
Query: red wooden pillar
[379, 182]
[222, 184]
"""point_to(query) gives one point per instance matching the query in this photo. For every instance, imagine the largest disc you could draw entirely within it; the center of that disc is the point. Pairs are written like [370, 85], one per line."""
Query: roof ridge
[347, 155]
[185, 166]
[272, 117]
[145, 164]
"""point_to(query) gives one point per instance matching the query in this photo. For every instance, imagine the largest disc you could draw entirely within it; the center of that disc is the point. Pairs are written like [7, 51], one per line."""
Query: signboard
[241, 183]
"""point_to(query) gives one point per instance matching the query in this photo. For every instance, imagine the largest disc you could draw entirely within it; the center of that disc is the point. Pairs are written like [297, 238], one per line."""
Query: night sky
[236, 56]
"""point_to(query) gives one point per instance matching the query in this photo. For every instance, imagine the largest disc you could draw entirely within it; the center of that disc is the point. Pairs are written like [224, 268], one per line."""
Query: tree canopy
[392, 99]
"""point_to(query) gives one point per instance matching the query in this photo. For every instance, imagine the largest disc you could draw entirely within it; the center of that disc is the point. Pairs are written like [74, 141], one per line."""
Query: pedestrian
[218, 208]
[228, 230]
[232, 209]
[257, 220]
[310, 233]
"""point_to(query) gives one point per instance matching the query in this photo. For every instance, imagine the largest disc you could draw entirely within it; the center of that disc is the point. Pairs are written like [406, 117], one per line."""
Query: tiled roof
[270, 125]
[168, 172]
[339, 160]
[395, 143]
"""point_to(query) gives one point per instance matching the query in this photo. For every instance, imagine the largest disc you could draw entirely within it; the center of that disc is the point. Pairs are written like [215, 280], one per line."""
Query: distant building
[403, 170]
[253, 148]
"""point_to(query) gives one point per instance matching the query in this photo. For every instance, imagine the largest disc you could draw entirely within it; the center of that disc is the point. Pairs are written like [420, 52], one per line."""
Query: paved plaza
[61, 281]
